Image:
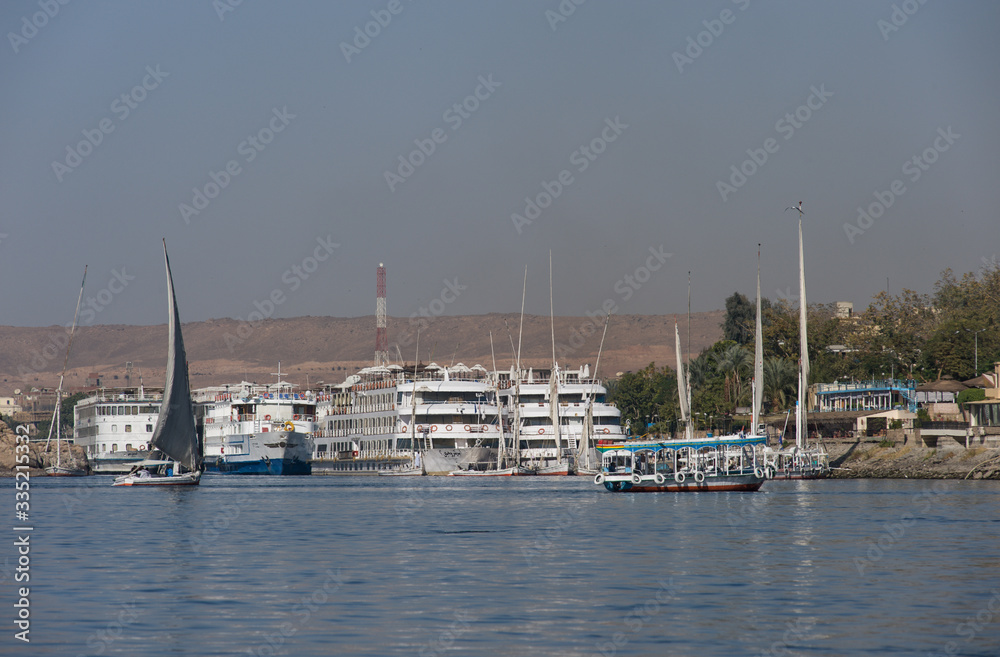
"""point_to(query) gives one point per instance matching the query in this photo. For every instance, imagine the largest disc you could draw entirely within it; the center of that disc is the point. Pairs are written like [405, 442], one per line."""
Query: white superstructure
[584, 417]
[114, 426]
[257, 429]
[385, 417]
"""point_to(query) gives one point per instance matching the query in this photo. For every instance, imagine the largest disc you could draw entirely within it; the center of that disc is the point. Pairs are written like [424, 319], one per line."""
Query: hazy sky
[284, 149]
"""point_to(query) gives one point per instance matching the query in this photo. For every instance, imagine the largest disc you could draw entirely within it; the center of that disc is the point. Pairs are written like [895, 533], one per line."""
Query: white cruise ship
[256, 429]
[386, 419]
[114, 426]
[566, 446]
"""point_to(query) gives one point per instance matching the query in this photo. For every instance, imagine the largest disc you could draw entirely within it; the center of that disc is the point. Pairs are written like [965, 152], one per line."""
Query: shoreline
[867, 460]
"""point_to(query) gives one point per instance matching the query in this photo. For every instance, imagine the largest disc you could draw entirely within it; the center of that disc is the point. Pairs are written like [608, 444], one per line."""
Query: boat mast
[802, 428]
[57, 413]
[758, 359]
[589, 429]
[501, 446]
[554, 375]
[681, 392]
[517, 368]
[413, 400]
[689, 427]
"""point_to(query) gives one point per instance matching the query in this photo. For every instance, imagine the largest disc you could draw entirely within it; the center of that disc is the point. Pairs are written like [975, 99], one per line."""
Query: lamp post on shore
[976, 333]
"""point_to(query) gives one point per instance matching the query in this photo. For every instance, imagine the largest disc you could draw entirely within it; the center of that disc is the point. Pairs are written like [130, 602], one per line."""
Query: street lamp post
[976, 357]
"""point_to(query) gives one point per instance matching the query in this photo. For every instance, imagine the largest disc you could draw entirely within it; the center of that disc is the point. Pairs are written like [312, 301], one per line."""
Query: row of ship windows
[129, 447]
[107, 410]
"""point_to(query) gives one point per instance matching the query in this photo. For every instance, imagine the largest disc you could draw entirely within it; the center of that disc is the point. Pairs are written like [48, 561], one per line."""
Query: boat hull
[184, 479]
[739, 483]
[269, 453]
[57, 471]
[261, 466]
[506, 472]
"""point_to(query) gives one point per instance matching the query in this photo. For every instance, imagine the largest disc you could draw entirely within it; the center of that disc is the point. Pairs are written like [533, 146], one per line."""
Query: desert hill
[313, 349]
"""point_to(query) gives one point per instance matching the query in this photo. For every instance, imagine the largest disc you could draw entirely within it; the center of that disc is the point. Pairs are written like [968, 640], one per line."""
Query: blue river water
[509, 566]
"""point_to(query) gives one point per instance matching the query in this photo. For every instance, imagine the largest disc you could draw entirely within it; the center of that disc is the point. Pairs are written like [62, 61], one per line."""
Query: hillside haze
[314, 349]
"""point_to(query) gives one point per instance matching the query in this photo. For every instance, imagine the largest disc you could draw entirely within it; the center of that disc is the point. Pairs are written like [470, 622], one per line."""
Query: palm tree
[733, 362]
[779, 381]
[699, 369]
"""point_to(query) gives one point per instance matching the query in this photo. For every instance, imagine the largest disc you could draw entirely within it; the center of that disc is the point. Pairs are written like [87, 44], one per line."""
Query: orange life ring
[434, 428]
[420, 428]
[607, 430]
[448, 428]
[541, 431]
[468, 428]
[403, 430]
[484, 428]
[294, 417]
[267, 417]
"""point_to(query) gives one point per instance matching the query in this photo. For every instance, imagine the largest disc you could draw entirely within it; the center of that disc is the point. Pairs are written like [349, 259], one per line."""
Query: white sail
[803, 347]
[681, 391]
[174, 433]
[758, 358]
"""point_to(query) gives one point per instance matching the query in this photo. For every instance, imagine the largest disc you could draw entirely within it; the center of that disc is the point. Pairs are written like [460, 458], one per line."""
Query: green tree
[738, 323]
[734, 363]
[780, 382]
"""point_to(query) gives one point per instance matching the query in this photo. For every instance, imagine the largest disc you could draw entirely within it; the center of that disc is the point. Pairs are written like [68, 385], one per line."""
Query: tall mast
[57, 414]
[689, 427]
[758, 359]
[589, 419]
[554, 374]
[681, 392]
[381, 332]
[501, 447]
[801, 433]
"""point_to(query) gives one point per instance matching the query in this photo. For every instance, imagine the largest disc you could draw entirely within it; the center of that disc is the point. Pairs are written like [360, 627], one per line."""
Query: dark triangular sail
[175, 433]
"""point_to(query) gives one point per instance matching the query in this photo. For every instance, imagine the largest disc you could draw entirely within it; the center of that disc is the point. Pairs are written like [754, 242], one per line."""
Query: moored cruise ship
[114, 426]
[548, 446]
[388, 419]
[257, 429]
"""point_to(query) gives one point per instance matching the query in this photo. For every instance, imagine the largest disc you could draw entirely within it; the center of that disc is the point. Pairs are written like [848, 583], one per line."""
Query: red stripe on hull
[694, 488]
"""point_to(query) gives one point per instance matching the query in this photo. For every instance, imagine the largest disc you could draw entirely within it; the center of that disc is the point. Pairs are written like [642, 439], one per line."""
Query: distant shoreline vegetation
[924, 337]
